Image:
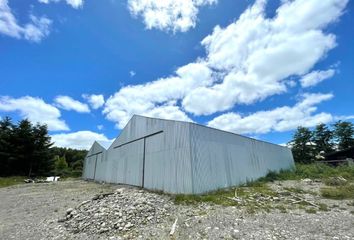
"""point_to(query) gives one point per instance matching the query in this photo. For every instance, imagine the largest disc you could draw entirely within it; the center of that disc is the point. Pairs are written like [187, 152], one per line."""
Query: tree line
[308, 146]
[26, 150]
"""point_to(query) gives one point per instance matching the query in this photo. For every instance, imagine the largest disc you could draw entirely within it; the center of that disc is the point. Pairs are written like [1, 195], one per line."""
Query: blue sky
[259, 68]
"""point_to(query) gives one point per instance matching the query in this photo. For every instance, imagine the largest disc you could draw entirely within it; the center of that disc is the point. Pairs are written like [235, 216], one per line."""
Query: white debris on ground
[117, 212]
[87, 210]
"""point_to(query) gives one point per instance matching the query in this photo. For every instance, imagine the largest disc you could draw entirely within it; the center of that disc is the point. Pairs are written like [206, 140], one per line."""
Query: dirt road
[32, 211]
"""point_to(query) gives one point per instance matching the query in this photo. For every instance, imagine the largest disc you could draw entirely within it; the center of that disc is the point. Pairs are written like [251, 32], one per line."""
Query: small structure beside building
[339, 157]
[182, 157]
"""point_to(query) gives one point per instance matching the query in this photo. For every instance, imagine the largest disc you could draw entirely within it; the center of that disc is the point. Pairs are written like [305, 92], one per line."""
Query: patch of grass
[218, 197]
[222, 197]
[295, 190]
[9, 181]
[313, 171]
[281, 208]
[323, 207]
[335, 181]
[311, 210]
[338, 193]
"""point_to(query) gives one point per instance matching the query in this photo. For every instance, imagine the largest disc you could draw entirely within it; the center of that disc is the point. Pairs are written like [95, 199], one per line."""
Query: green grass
[9, 181]
[221, 197]
[323, 207]
[339, 192]
[313, 171]
[218, 197]
[260, 187]
[311, 210]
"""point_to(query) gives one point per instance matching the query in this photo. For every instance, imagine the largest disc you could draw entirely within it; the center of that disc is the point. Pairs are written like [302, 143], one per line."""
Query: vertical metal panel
[94, 164]
[126, 164]
[90, 167]
[221, 159]
[184, 158]
[167, 155]
[167, 159]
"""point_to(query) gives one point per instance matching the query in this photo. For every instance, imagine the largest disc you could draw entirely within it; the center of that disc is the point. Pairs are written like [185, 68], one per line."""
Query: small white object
[173, 229]
[52, 179]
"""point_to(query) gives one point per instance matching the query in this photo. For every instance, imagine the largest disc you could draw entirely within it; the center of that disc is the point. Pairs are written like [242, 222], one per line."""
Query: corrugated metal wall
[222, 159]
[183, 157]
[94, 163]
[167, 155]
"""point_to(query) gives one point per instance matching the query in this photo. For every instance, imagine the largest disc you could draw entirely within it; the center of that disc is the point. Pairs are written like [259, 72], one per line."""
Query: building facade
[182, 157]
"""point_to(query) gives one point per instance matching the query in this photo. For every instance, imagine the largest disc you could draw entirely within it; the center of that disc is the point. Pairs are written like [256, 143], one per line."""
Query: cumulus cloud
[68, 103]
[35, 30]
[247, 61]
[168, 15]
[315, 77]
[157, 98]
[36, 110]
[96, 101]
[74, 3]
[256, 55]
[279, 119]
[79, 140]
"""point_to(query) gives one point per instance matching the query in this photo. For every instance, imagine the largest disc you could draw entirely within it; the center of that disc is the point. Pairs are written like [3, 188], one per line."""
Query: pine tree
[322, 139]
[42, 158]
[6, 127]
[344, 134]
[302, 147]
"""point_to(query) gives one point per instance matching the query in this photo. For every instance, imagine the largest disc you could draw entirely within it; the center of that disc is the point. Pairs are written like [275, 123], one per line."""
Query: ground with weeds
[75, 209]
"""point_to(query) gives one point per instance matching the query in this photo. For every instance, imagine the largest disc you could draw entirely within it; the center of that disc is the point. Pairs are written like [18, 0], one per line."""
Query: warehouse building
[182, 157]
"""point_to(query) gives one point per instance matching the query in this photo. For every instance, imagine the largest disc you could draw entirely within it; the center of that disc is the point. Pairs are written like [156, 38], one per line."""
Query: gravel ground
[82, 210]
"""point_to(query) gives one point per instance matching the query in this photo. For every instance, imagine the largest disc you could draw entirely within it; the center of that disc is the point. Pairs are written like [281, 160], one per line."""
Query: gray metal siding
[221, 159]
[183, 157]
[94, 163]
[167, 160]
[100, 166]
[167, 155]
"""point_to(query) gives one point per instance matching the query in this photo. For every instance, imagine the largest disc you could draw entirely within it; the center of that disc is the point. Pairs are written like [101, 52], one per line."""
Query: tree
[42, 159]
[302, 147]
[61, 166]
[322, 139]
[24, 149]
[74, 157]
[6, 127]
[344, 134]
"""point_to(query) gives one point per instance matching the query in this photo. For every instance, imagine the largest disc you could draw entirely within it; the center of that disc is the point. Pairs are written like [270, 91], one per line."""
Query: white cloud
[169, 15]
[315, 77]
[36, 110]
[132, 73]
[100, 127]
[79, 140]
[74, 3]
[279, 119]
[157, 98]
[96, 101]
[256, 56]
[68, 103]
[35, 30]
[249, 60]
